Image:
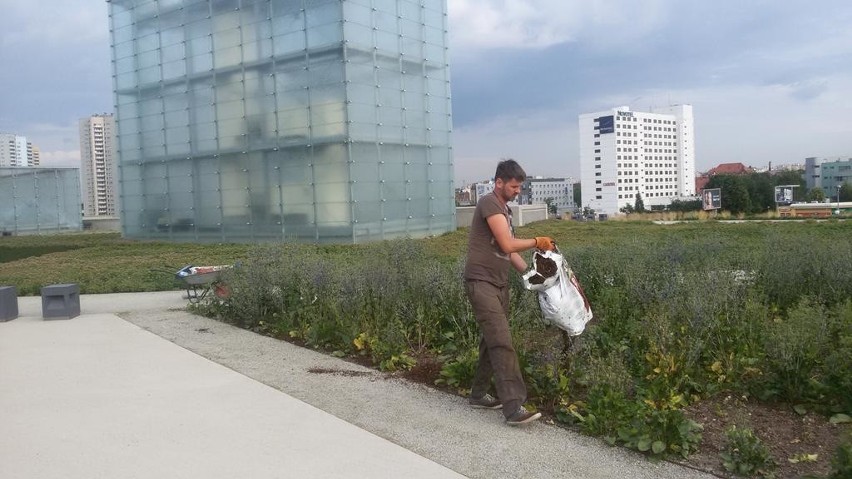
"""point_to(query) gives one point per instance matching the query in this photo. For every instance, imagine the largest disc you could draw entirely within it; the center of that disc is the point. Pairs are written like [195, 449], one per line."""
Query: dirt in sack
[545, 267]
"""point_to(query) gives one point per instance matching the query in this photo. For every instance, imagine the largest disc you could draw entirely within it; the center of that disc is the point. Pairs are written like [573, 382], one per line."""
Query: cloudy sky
[769, 80]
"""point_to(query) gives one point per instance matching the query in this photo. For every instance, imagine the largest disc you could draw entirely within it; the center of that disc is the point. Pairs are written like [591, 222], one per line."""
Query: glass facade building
[833, 175]
[297, 120]
[40, 200]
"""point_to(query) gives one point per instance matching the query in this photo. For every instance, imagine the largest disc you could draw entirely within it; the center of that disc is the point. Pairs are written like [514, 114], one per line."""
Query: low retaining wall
[521, 214]
[102, 223]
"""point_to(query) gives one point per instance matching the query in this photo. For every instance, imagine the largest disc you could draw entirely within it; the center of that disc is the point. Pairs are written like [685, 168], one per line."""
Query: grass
[102, 262]
[106, 263]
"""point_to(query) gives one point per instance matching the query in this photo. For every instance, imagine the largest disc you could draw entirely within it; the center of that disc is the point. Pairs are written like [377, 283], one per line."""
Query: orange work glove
[545, 243]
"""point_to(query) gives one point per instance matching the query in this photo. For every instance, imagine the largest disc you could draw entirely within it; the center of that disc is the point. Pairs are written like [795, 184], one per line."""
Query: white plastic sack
[560, 295]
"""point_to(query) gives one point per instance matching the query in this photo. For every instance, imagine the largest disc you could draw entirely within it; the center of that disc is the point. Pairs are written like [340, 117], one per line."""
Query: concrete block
[60, 301]
[8, 303]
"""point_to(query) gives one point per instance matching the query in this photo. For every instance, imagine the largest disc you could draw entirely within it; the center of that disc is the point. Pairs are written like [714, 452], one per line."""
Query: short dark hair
[509, 170]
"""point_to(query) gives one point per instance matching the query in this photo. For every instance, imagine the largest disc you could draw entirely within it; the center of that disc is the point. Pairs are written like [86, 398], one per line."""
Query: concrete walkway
[99, 396]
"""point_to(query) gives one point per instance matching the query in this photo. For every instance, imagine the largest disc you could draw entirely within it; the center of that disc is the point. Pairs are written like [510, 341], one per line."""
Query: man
[492, 249]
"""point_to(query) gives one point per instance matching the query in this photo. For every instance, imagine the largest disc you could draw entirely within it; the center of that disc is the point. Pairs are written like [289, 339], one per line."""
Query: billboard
[711, 199]
[607, 124]
[784, 194]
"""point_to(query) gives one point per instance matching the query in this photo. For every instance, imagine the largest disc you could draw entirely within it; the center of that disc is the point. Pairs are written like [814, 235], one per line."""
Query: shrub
[660, 431]
[795, 348]
[550, 384]
[605, 368]
[735, 348]
[746, 455]
[458, 371]
[841, 463]
[797, 266]
[635, 424]
[838, 358]
[604, 411]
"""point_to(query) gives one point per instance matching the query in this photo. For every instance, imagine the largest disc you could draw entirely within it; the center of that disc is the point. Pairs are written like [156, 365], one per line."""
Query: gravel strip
[434, 424]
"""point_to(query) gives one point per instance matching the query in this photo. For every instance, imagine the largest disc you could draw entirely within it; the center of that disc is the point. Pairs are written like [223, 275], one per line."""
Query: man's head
[508, 180]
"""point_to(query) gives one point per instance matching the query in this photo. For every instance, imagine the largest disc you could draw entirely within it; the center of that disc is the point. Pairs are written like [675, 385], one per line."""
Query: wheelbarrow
[200, 281]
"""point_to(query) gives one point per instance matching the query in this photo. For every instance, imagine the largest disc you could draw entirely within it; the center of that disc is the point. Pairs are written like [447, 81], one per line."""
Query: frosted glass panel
[43, 200]
[357, 35]
[241, 120]
[357, 13]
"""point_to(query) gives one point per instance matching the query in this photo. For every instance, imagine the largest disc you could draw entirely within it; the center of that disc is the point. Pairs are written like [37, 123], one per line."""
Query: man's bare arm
[500, 229]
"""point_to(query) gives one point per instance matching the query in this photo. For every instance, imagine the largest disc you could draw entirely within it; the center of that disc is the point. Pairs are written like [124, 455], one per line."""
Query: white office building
[559, 190]
[98, 165]
[624, 152]
[15, 150]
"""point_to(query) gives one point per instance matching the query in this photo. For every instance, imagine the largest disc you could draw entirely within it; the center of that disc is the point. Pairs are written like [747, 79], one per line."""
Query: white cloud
[543, 142]
[507, 23]
[50, 24]
[61, 158]
[520, 24]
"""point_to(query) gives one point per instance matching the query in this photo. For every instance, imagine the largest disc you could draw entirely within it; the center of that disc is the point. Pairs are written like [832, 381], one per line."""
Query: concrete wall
[521, 214]
[102, 223]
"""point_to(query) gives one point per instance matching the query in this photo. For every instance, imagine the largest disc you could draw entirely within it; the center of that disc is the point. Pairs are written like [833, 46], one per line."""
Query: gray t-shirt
[485, 260]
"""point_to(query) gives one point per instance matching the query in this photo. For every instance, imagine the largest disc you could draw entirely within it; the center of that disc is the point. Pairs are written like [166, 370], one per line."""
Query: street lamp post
[838, 199]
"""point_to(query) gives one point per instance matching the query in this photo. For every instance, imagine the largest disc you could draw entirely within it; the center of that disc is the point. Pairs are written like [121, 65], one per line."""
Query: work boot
[522, 416]
[485, 402]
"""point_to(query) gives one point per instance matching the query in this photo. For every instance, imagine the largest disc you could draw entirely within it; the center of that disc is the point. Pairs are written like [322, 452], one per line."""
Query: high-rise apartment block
[36, 156]
[15, 150]
[302, 120]
[624, 153]
[98, 165]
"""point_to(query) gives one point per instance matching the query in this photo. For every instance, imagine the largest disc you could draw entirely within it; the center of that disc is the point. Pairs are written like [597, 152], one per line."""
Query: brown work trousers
[497, 356]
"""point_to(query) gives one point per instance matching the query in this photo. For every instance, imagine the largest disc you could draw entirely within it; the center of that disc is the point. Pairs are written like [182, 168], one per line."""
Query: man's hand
[545, 243]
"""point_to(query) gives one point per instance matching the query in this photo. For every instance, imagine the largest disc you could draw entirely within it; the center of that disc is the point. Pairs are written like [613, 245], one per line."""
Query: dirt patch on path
[339, 372]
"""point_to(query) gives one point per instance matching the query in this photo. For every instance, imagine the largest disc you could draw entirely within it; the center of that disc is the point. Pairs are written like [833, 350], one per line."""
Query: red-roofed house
[730, 169]
[723, 169]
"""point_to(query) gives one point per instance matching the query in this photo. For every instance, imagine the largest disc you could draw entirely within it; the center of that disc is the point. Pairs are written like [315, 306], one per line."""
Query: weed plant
[841, 463]
[746, 455]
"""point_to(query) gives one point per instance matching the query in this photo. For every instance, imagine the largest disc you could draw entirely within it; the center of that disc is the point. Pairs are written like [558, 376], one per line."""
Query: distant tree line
[749, 193]
[755, 192]
[845, 193]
